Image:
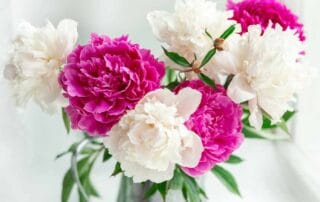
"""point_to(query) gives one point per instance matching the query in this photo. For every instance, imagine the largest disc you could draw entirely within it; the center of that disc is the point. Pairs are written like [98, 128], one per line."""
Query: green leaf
[83, 166]
[233, 159]
[88, 151]
[170, 75]
[208, 57]
[67, 186]
[250, 132]
[288, 115]
[175, 57]
[151, 191]
[208, 34]
[203, 193]
[61, 155]
[106, 155]
[89, 188]
[177, 181]
[84, 174]
[283, 126]
[163, 189]
[66, 121]
[228, 32]
[68, 182]
[192, 192]
[71, 149]
[81, 197]
[117, 169]
[172, 85]
[227, 179]
[185, 193]
[205, 79]
[191, 188]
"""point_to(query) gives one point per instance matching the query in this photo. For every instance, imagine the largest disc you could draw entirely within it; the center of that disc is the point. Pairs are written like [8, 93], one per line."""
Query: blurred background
[30, 139]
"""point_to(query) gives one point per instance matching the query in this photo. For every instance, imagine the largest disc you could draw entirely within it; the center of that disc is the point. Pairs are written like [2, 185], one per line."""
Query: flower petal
[141, 174]
[188, 102]
[239, 90]
[192, 150]
[255, 117]
[163, 95]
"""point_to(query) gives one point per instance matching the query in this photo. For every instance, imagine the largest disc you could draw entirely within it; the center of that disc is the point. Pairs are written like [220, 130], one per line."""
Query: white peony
[36, 58]
[184, 31]
[149, 140]
[268, 72]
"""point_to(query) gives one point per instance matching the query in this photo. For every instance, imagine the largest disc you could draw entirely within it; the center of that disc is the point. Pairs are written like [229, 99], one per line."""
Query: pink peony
[218, 123]
[252, 12]
[104, 78]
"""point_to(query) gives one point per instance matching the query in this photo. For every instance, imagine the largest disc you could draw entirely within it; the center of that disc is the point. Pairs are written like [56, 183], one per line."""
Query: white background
[30, 139]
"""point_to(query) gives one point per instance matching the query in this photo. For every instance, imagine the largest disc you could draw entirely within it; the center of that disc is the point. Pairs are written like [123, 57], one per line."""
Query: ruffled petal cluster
[183, 31]
[152, 138]
[105, 78]
[265, 13]
[269, 71]
[217, 121]
[36, 58]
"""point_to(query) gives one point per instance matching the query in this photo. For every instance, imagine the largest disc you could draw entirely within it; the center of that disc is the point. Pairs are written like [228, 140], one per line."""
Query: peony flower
[217, 121]
[36, 58]
[264, 13]
[268, 73]
[150, 139]
[183, 31]
[105, 78]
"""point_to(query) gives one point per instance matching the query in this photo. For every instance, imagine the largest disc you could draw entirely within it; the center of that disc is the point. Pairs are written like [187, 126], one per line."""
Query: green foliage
[267, 131]
[250, 132]
[106, 155]
[163, 189]
[170, 76]
[233, 159]
[208, 34]
[84, 168]
[66, 121]
[176, 182]
[151, 191]
[189, 187]
[228, 32]
[208, 57]
[205, 79]
[170, 81]
[172, 85]
[68, 181]
[117, 169]
[227, 179]
[175, 57]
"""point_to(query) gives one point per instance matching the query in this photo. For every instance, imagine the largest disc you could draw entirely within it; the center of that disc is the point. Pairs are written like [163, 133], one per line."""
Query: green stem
[74, 168]
[125, 190]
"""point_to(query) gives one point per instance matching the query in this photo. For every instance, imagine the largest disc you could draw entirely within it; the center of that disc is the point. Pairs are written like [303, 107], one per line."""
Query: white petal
[255, 117]
[188, 101]
[141, 174]
[68, 35]
[163, 95]
[192, 149]
[157, 21]
[273, 107]
[239, 90]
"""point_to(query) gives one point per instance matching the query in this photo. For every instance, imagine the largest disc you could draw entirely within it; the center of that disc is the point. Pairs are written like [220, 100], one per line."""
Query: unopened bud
[218, 44]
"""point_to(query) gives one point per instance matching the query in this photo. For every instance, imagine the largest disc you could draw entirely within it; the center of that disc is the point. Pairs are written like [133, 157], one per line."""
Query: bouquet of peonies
[225, 76]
